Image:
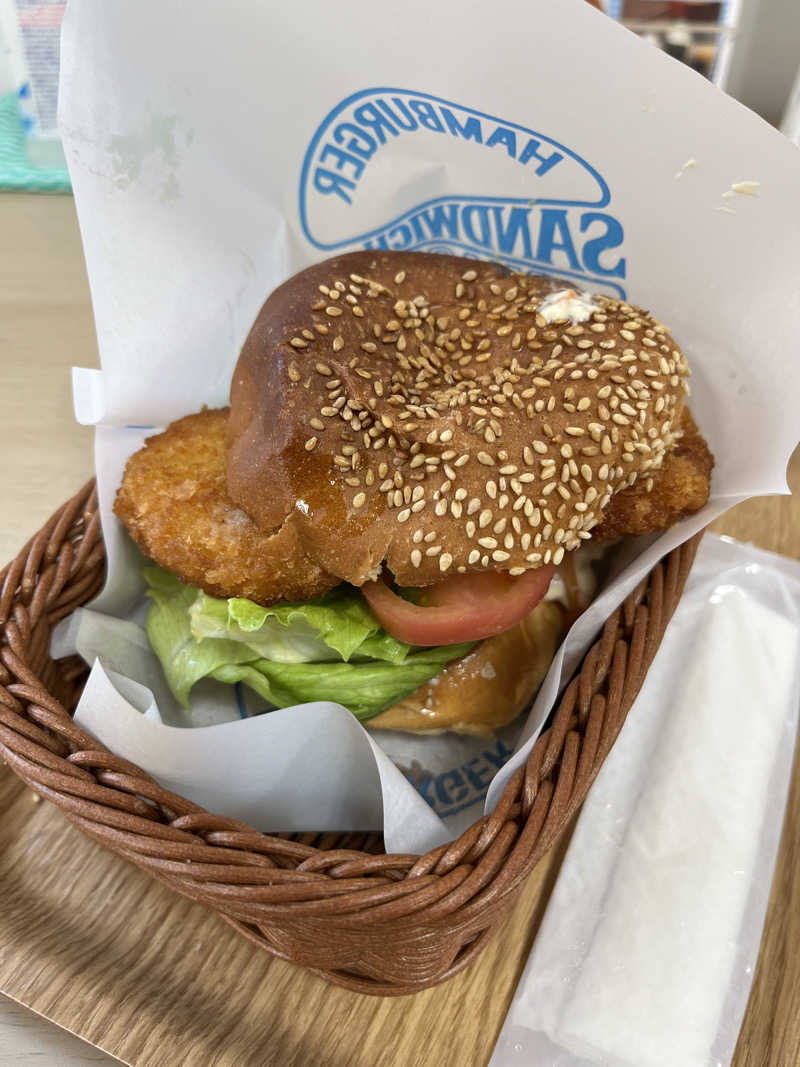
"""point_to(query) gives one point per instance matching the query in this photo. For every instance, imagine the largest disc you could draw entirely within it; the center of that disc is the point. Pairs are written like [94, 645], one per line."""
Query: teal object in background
[17, 173]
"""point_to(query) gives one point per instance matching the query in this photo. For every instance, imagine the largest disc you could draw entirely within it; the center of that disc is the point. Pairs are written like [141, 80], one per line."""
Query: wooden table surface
[93, 944]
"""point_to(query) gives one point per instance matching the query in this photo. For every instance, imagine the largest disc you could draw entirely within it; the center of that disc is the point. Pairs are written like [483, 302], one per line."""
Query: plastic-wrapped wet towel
[211, 165]
[647, 950]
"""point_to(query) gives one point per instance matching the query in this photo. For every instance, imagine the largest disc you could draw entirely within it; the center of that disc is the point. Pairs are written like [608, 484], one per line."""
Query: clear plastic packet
[646, 952]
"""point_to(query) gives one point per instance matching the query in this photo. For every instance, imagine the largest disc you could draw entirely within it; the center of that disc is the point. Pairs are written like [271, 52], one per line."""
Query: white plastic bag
[646, 952]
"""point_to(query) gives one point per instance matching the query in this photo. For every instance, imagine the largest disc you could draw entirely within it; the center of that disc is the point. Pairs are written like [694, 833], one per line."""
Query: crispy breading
[680, 487]
[173, 502]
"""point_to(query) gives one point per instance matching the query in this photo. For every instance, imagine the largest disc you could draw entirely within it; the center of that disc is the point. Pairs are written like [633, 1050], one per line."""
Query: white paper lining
[194, 158]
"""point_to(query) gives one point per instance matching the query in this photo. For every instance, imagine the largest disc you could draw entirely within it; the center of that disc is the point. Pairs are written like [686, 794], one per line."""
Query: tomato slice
[465, 607]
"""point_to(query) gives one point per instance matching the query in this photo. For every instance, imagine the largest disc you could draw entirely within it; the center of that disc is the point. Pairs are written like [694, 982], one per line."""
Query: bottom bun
[488, 687]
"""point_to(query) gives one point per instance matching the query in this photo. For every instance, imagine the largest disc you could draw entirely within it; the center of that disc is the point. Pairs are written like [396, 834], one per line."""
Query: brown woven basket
[334, 903]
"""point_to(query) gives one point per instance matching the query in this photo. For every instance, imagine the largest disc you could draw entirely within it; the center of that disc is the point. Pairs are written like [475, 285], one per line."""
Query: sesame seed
[444, 561]
[487, 542]
[474, 556]
[294, 373]
[298, 342]
[434, 550]
[500, 557]
[310, 444]
[404, 515]
[485, 459]
[333, 311]
[359, 500]
[469, 275]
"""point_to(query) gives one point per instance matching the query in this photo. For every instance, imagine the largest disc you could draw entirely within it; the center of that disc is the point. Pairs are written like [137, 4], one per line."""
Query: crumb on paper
[690, 164]
[747, 188]
[727, 210]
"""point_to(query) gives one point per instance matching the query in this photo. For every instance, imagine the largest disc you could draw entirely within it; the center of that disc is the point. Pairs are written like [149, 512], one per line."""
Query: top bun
[444, 415]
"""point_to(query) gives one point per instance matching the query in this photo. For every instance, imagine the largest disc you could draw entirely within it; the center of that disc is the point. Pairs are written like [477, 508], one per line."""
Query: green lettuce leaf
[329, 648]
[336, 626]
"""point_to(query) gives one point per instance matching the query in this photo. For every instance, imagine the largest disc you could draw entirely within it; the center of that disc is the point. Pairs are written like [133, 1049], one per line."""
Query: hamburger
[415, 445]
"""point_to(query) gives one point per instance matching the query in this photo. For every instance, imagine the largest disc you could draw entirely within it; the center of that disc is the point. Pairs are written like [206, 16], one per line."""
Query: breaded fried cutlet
[172, 500]
[680, 487]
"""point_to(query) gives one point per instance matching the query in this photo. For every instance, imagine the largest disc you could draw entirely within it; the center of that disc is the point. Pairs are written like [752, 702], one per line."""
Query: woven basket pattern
[334, 903]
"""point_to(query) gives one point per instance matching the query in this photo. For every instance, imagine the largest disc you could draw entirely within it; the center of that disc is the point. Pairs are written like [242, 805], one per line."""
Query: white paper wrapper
[208, 166]
[646, 953]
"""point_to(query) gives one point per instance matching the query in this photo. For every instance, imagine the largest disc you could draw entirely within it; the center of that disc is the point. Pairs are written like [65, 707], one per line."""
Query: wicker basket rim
[313, 886]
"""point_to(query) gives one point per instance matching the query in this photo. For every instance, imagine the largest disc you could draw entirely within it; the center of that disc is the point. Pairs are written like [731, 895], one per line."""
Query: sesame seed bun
[443, 415]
